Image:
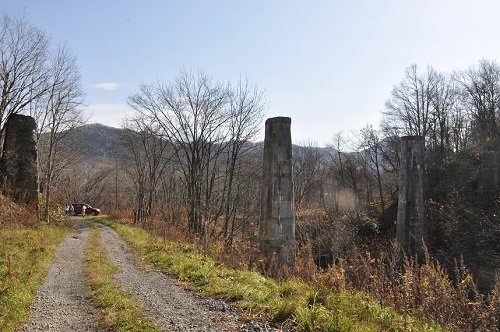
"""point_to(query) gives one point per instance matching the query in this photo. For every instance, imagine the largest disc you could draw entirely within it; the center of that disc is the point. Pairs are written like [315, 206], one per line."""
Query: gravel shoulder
[60, 303]
[165, 300]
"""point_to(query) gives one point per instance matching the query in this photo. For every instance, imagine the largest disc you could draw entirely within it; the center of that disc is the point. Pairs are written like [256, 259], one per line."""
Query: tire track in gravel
[164, 299]
[60, 303]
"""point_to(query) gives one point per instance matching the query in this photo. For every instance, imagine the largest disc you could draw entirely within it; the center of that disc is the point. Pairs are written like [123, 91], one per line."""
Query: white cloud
[110, 86]
[108, 114]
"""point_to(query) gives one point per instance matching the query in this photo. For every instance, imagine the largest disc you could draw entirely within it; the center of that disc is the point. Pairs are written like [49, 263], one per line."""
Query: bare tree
[57, 114]
[373, 152]
[481, 97]
[336, 168]
[344, 175]
[308, 172]
[444, 102]
[23, 71]
[460, 127]
[136, 171]
[148, 158]
[411, 104]
[191, 114]
[209, 127]
[246, 106]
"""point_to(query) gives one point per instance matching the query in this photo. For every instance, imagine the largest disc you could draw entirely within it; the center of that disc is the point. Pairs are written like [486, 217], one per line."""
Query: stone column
[488, 181]
[410, 223]
[277, 224]
[18, 166]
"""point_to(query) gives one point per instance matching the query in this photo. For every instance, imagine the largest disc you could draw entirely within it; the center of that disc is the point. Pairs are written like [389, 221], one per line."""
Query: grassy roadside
[115, 310]
[25, 257]
[309, 307]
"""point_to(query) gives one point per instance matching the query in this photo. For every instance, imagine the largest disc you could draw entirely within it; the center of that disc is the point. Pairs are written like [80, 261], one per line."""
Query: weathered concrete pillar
[277, 224]
[410, 224]
[488, 181]
[18, 166]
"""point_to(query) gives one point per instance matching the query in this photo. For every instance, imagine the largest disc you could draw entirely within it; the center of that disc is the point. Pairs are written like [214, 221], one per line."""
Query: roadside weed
[117, 312]
[293, 302]
[25, 258]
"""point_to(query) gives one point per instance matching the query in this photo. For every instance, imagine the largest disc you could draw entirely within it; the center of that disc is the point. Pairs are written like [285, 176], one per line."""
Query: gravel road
[60, 303]
[165, 300]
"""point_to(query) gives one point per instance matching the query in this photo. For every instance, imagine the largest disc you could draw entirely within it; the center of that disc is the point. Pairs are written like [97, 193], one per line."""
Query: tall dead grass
[417, 288]
[420, 288]
[13, 214]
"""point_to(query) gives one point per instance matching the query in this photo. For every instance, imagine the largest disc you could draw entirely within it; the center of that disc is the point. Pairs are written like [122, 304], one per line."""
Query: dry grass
[419, 289]
[118, 214]
[26, 251]
[422, 289]
[14, 214]
[301, 305]
[117, 312]
[25, 257]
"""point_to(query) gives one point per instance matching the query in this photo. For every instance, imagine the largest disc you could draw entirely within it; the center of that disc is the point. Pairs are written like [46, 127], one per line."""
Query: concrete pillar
[410, 223]
[277, 224]
[18, 165]
[488, 181]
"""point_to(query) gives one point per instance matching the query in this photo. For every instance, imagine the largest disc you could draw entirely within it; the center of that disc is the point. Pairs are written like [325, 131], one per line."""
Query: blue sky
[329, 65]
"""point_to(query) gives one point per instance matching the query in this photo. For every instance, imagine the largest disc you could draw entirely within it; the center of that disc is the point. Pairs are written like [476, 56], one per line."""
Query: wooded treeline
[191, 153]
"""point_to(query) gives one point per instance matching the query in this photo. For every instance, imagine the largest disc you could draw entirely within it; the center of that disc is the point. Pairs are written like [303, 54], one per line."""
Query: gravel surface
[60, 303]
[164, 298]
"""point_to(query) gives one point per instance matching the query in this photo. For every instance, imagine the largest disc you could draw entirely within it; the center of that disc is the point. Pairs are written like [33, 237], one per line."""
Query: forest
[188, 165]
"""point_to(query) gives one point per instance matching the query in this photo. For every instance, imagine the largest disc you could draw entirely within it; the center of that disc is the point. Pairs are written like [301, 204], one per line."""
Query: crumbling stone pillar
[410, 223]
[277, 224]
[18, 166]
[488, 181]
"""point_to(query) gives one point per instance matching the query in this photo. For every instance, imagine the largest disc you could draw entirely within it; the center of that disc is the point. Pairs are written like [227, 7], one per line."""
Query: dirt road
[163, 298]
[61, 303]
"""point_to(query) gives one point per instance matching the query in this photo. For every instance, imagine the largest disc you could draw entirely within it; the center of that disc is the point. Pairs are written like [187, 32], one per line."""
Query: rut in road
[162, 297]
[60, 303]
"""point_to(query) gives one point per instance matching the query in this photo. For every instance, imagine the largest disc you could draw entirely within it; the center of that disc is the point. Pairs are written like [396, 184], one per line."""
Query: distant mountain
[99, 143]
[103, 144]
